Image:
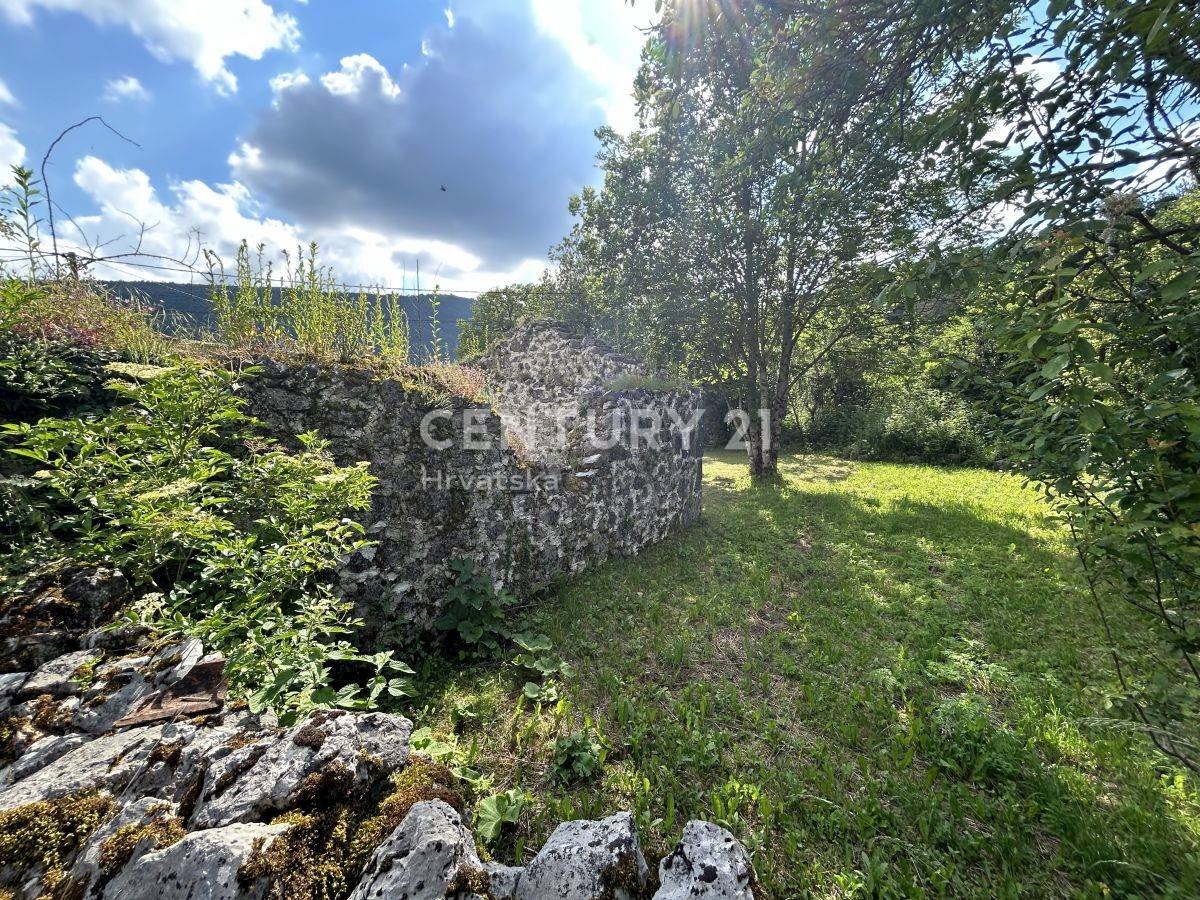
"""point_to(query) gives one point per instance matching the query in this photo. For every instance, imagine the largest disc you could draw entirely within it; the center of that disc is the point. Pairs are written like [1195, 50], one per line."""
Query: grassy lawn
[881, 678]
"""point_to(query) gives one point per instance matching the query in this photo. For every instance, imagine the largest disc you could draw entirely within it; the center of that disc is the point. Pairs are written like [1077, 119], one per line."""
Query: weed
[577, 756]
[474, 611]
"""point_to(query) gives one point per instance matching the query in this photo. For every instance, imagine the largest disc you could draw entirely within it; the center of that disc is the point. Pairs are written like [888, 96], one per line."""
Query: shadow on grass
[875, 682]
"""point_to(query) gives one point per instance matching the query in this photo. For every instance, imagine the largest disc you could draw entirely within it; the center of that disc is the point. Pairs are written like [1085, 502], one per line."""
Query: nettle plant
[474, 611]
[229, 538]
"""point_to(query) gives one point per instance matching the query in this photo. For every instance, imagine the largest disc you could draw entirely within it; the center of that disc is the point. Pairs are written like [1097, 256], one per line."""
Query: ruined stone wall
[556, 503]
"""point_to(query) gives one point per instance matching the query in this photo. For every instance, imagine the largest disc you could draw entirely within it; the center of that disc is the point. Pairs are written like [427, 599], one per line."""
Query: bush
[232, 537]
[911, 423]
[38, 379]
[1101, 394]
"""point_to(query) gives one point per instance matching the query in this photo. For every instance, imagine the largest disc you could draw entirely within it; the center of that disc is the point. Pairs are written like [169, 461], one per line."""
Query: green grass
[882, 678]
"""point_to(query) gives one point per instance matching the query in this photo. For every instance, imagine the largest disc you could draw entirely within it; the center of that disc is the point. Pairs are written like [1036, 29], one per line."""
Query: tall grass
[79, 313]
[309, 311]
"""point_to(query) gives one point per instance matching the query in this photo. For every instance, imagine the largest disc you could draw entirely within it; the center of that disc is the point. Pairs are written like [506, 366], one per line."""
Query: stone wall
[576, 489]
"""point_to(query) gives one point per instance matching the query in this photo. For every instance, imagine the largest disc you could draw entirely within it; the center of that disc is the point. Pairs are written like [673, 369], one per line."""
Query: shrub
[38, 379]
[232, 537]
[1101, 393]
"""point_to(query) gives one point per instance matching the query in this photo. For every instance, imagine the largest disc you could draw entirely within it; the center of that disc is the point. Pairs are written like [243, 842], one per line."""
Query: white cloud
[449, 16]
[202, 32]
[12, 152]
[225, 214]
[285, 80]
[604, 40]
[127, 88]
[359, 74]
[6, 96]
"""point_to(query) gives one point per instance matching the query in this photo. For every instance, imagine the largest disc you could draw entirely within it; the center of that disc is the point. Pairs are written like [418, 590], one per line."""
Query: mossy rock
[44, 838]
[328, 844]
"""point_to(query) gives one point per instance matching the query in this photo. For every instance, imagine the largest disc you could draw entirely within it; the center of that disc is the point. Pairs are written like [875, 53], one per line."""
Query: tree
[737, 228]
[1090, 145]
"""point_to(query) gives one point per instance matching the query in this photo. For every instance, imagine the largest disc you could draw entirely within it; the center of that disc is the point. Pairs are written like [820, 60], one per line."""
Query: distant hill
[190, 304]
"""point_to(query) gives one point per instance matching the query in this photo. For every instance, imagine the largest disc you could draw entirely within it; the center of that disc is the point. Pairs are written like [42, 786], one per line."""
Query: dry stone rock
[329, 752]
[429, 856]
[202, 866]
[100, 713]
[708, 862]
[184, 753]
[121, 637]
[109, 763]
[95, 591]
[585, 860]
[9, 685]
[173, 663]
[503, 880]
[40, 754]
[54, 677]
[123, 666]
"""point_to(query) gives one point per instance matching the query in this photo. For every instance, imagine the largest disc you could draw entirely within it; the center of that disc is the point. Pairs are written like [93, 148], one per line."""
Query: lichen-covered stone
[338, 753]
[109, 762]
[429, 856]
[86, 874]
[707, 862]
[204, 865]
[503, 880]
[586, 860]
[95, 591]
[10, 683]
[40, 754]
[55, 677]
[173, 663]
[109, 704]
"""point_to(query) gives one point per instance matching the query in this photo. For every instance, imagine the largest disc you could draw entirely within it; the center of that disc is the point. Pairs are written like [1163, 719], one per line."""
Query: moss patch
[46, 837]
[323, 854]
[161, 831]
[49, 714]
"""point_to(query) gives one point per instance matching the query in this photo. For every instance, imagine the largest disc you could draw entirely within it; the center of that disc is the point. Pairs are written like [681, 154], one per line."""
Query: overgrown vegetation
[226, 536]
[127, 448]
[308, 311]
[960, 233]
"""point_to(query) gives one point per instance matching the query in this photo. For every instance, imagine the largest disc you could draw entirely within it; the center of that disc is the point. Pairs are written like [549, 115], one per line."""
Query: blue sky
[331, 120]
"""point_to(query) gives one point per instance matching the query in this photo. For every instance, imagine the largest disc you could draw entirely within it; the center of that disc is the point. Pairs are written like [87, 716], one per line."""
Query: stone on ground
[202, 866]
[708, 862]
[331, 754]
[586, 860]
[429, 856]
[106, 763]
[54, 677]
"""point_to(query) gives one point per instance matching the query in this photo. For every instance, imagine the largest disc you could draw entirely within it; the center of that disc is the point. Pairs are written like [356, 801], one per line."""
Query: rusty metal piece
[200, 691]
